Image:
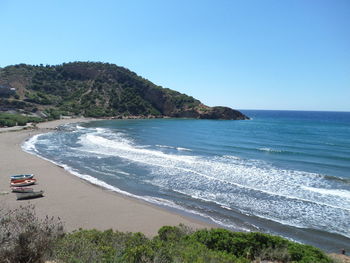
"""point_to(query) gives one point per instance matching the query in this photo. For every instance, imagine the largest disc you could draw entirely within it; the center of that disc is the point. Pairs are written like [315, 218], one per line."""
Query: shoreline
[79, 203]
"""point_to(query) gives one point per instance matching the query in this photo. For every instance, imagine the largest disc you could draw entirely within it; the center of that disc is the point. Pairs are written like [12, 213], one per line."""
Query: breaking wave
[233, 183]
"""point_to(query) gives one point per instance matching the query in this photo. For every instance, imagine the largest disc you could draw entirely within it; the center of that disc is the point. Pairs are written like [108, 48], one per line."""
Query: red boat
[23, 182]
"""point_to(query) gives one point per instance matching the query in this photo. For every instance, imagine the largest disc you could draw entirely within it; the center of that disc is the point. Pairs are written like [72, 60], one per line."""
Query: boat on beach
[22, 176]
[22, 189]
[29, 195]
[23, 182]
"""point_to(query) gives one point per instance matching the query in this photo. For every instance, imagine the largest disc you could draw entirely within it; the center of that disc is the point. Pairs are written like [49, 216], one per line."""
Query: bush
[173, 233]
[7, 123]
[26, 238]
[97, 246]
[109, 246]
[9, 119]
[258, 246]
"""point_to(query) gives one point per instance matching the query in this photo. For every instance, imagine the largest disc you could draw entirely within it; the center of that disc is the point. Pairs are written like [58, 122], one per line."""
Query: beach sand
[78, 203]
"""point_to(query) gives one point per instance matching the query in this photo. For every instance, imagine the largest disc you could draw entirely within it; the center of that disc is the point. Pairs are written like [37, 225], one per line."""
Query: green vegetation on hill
[9, 120]
[25, 238]
[95, 89]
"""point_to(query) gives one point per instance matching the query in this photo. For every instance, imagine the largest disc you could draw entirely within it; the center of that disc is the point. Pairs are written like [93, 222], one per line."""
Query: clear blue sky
[247, 54]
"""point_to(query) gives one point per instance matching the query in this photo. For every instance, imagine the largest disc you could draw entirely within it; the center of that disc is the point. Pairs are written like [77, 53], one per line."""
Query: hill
[95, 89]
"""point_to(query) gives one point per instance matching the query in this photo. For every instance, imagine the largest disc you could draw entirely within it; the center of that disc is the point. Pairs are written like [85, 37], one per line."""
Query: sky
[245, 54]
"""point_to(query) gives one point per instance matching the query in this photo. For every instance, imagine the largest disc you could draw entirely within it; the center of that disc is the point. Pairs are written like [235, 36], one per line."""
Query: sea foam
[253, 187]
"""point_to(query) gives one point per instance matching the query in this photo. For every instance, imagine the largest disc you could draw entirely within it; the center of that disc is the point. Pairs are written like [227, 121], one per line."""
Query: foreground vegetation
[25, 238]
[179, 244]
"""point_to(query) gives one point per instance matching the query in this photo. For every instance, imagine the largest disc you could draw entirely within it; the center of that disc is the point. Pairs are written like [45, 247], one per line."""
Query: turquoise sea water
[283, 172]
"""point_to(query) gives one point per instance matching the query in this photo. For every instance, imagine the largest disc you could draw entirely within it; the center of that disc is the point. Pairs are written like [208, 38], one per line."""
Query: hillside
[96, 90]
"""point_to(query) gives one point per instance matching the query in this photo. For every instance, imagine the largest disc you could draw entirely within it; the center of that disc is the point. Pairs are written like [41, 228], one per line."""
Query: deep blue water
[283, 172]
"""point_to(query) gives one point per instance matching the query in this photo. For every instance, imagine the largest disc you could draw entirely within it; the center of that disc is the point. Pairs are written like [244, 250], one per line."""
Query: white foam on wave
[207, 197]
[100, 145]
[251, 186]
[285, 220]
[171, 204]
[231, 157]
[29, 144]
[164, 146]
[183, 149]
[101, 130]
[172, 147]
[98, 182]
[242, 186]
[335, 192]
[242, 173]
[265, 149]
[226, 207]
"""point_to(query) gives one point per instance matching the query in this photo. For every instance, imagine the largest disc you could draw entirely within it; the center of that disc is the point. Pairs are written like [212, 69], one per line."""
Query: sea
[285, 173]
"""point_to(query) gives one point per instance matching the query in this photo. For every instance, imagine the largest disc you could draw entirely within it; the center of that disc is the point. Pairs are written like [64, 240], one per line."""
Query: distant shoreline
[78, 203]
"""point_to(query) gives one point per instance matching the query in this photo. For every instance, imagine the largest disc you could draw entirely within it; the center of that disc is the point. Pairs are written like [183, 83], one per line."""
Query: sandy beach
[78, 203]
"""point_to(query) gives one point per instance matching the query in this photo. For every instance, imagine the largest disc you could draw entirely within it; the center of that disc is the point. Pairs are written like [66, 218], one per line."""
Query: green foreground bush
[25, 238]
[180, 244]
[170, 246]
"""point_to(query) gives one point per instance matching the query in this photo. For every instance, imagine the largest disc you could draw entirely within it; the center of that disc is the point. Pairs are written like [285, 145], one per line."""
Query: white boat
[22, 176]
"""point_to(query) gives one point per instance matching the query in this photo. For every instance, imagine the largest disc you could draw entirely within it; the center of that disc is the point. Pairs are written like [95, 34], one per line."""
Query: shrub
[109, 246]
[173, 233]
[258, 246]
[9, 119]
[26, 238]
[94, 246]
